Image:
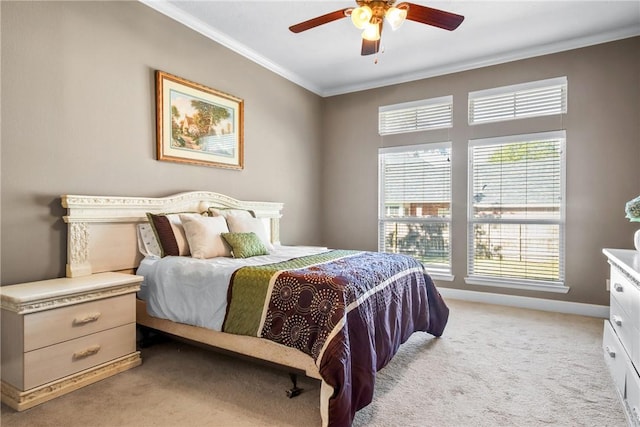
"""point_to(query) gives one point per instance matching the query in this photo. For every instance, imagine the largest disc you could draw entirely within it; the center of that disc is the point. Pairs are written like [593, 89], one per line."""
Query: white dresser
[62, 334]
[621, 341]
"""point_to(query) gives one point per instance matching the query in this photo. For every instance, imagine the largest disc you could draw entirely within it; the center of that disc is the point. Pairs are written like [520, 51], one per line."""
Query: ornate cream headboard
[102, 229]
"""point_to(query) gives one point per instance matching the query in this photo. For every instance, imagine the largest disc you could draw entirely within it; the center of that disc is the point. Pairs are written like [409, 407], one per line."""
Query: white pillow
[147, 242]
[203, 235]
[246, 225]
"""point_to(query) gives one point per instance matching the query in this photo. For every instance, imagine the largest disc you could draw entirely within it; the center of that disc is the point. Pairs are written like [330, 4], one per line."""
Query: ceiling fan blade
[436, 17]
[319, 20]
[370, 47]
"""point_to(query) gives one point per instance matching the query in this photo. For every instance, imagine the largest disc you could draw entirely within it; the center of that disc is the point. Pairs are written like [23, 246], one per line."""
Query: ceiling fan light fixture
[396, 17]
[371, 32]
[360, 16]
[369, 16]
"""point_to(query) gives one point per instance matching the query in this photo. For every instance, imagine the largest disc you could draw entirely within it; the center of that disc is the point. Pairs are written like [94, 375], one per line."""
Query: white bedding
[194, 291]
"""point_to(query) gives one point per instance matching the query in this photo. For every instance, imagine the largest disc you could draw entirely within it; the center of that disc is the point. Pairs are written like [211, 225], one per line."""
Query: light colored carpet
[494, 366]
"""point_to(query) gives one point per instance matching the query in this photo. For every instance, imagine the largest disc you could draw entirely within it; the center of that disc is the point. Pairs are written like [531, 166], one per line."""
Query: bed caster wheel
[293, 392]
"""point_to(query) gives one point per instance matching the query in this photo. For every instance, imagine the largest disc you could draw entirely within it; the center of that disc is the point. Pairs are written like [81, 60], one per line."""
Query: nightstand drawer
[49, 327]
[57, 361]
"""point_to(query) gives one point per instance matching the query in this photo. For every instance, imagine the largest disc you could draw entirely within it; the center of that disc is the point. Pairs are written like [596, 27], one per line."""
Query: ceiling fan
[370, 14]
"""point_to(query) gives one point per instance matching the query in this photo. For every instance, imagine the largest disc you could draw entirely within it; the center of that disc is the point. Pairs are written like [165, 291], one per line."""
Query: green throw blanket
[249, 288]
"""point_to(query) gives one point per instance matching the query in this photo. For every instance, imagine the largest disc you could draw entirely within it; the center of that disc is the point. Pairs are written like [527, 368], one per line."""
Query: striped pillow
[170, 234]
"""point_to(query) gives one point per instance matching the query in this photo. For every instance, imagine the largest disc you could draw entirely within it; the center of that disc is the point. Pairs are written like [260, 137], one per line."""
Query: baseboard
[590, 310]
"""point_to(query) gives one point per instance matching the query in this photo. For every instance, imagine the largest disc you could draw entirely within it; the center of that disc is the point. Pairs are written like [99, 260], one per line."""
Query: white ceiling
[326, 60]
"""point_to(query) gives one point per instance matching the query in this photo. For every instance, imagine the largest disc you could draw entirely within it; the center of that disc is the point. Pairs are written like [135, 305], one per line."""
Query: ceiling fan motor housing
[378, 7]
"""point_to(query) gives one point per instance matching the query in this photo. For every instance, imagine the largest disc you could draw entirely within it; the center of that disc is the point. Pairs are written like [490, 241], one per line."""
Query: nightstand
[62, 334]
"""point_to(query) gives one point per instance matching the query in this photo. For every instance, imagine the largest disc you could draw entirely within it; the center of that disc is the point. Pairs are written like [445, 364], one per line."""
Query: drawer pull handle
[92, 317]
[90, 351]
[617, 320]
[618, 287]
[610, 352]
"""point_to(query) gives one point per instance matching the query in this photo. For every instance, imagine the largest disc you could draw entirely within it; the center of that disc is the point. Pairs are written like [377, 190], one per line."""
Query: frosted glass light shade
[395, 17]
[371, 32]
[360, 16]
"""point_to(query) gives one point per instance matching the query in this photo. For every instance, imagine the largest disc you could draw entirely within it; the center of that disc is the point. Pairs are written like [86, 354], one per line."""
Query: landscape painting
[197, 124]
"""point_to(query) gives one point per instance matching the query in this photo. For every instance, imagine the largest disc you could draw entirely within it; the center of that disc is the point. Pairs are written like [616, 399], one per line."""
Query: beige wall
[603, 156]
[78, 118]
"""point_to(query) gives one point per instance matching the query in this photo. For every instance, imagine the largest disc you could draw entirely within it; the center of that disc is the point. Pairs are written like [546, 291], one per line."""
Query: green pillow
[245, 245]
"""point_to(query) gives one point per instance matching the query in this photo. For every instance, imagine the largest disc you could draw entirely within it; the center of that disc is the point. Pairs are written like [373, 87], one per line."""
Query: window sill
[442, 277]
[530, 286]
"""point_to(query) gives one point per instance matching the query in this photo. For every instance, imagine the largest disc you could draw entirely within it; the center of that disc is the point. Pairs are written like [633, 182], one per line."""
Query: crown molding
[480, 62]
[166, 8]
[197, 25]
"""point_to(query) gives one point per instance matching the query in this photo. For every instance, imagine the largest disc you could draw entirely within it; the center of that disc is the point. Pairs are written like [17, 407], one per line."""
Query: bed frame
[102, 237]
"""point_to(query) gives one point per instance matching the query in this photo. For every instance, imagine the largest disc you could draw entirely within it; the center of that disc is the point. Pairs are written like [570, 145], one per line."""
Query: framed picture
[197, 124]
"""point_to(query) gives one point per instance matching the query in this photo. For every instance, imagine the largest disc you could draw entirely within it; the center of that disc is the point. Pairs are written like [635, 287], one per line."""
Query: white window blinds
[415, 203]
[516, 209]
[540, 98]
[434, 113]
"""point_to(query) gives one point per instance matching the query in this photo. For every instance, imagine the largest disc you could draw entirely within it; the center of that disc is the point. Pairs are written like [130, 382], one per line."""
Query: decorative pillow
[245, 245]
[230, 212]
[147, 242]
[203, 235]
[170, 234]
[250, 225]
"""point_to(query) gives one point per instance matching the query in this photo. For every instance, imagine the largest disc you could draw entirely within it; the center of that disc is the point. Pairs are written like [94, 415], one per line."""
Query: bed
[335, 315]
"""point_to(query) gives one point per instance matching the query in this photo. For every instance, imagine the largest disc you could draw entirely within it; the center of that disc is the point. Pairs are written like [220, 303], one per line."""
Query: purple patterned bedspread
[351, 315]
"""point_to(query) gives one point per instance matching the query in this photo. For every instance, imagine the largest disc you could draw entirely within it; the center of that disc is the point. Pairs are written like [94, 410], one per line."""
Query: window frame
[521, 90]
[412, 108]
[438, 273]
[529, 284]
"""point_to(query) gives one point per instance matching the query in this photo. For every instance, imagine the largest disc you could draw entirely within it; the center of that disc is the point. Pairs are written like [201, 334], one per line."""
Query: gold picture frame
[197, 124]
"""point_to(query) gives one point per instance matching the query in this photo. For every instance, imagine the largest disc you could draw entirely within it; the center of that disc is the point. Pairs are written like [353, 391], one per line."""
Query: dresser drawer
[57, 361]
[632, 397]
[614, 357]
[623, 326]
[54, 326]
[626, 294]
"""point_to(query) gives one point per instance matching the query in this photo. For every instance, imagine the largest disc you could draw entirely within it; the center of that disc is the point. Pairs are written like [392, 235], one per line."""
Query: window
[415, 204]
[540, 98]
[434, 113]
[516, 211]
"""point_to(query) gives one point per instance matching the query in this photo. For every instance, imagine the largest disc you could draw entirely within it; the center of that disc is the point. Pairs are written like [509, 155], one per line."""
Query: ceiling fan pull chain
[375, 60]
